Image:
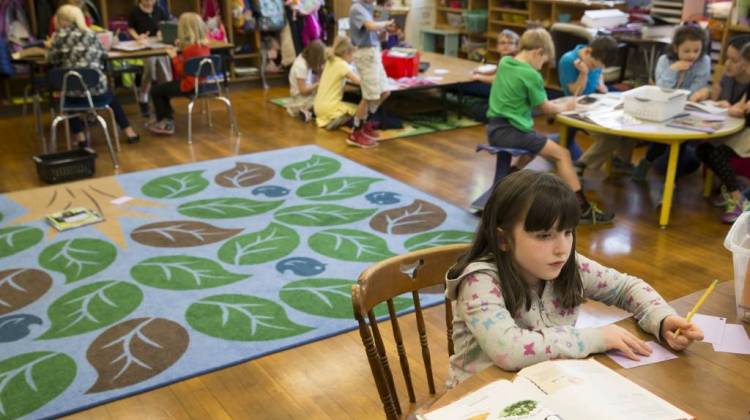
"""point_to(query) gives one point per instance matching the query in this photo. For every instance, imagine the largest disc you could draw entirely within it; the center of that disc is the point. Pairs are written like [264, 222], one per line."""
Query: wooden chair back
[382, 283]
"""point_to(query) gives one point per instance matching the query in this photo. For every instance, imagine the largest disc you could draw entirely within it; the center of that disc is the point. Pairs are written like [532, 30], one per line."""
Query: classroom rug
[414, 125]
[196, 267]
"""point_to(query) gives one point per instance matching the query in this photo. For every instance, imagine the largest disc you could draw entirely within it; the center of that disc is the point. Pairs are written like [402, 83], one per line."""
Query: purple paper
[658, 354]
[712, 327]
[735, 340]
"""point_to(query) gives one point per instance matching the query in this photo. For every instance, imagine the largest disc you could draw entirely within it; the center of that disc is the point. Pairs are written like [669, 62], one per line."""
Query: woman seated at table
[75, 46]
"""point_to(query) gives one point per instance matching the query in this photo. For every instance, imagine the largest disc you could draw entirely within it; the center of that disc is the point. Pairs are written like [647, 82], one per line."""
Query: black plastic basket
[65, 166]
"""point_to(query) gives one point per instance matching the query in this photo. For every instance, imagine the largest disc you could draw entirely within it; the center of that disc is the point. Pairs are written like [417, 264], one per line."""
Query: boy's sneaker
[580, 167]
[145, 111]
[640, 174]
[370, 129]
[734, 209]
[720, 199]
[359, 139]
[594, 215]
[162, 127]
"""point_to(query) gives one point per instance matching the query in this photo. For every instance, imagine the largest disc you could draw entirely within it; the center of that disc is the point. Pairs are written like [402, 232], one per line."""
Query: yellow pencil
[698, 304]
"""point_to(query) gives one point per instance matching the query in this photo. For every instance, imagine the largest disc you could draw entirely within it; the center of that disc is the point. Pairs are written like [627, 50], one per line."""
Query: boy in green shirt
[518, 89]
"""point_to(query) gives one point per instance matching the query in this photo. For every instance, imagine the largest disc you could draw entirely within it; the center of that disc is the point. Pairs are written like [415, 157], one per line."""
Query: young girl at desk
[75, 45]
[686, 66]
[731, 92]
[192, 39]
[143, 23]
[518, 289]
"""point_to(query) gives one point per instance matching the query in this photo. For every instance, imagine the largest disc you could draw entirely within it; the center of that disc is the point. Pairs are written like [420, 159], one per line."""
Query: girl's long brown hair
[541, 201]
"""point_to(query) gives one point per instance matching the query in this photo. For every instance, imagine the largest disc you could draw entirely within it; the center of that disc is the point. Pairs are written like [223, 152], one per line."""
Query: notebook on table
[561, 389]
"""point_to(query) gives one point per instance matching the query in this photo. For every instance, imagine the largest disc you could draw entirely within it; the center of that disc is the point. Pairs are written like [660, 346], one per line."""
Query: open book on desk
[561, 389]
[695, 123]
[130, 46]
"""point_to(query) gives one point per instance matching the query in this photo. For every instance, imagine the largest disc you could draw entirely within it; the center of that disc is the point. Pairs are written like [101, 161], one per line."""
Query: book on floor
[73, 218]
[561, 389]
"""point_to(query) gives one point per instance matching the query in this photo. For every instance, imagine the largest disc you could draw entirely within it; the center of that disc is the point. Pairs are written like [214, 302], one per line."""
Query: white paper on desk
[593, 314]
[433, 78]
[442, 71]
[712, 327]
[734, 340]
[705, 116]
[614, 119]
[658, 354]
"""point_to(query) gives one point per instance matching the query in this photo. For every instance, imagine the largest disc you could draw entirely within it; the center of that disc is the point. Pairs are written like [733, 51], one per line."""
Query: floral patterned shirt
[73, 48]
[485, 333]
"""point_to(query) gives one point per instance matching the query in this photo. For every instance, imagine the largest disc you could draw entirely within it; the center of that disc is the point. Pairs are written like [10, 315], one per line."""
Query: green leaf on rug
[350, 245]
[321, 215]
[330, 298]
[438, 238]
[31, 380]
[15, 239]
[1, 217]
[273, 242]
[135, 350]
[243, 318]
[227, 208]
[90, 307]
[78, 258]
[176, 185]
[336, 188]
[183, 272]
[315, 167]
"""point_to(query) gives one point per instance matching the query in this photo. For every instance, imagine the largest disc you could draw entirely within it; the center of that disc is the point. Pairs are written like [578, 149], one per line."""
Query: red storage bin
[398, 67]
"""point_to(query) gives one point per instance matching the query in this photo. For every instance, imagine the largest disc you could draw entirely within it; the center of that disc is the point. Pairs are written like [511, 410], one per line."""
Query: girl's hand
[723, 104]
[617, 338]
[681, 65]
[171, 52]
[688, 332]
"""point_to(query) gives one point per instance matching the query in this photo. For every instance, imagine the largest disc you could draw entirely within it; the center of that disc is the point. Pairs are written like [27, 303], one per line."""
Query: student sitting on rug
[331, 112]
[74, 45]
[191, 38]
[518, 290]
[580, 72]
[517, 89]
[303, 80]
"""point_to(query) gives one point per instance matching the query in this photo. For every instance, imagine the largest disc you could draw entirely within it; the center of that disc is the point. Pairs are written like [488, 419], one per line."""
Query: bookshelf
[449, 16]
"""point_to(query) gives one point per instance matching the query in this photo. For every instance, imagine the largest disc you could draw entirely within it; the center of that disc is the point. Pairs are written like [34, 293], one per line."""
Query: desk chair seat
[379, 285]
[79, 79]
[209, 79]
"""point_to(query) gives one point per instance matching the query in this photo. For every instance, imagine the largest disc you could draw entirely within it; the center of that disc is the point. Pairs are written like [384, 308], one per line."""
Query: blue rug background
[203, 352]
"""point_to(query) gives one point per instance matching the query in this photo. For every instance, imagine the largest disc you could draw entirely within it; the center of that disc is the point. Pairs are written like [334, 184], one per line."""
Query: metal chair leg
[67, 133]
[190, 121]
[112, 153]
[53, 133]
[26, 91]
[115, 128]
[208, 113]
[230, 110]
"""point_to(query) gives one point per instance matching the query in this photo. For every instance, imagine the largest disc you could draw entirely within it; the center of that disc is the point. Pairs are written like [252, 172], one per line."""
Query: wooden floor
[331, 378]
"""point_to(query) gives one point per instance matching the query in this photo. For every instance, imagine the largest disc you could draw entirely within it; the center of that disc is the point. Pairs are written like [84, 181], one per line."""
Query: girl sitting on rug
[331, 111]
[303, 80]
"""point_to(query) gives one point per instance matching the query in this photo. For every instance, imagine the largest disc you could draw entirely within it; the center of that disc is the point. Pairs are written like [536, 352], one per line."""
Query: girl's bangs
[553, 206]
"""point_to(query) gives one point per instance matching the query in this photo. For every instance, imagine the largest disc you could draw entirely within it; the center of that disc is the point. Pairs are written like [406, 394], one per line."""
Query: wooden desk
[658, 133]
[459, 69]
[706, 384]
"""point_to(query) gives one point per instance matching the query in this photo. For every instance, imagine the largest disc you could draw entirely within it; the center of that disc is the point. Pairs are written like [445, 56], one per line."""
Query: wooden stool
[502, 168]
[450, 40]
